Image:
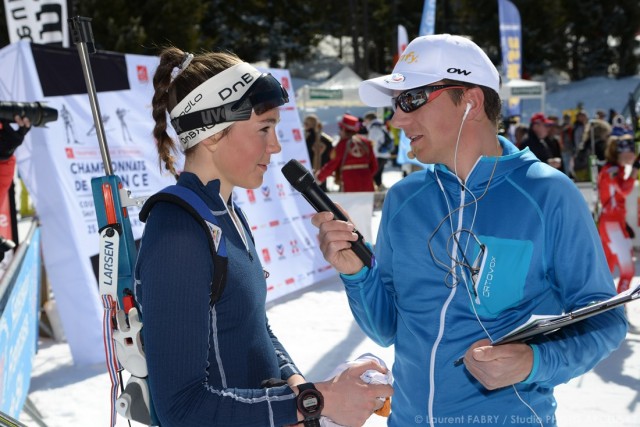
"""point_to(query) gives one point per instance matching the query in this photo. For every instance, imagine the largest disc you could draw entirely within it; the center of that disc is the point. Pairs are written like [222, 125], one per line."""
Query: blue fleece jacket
[542, 255]
[206, 363]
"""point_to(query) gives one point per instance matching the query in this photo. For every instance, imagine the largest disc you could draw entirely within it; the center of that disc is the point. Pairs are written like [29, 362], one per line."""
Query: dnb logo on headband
[226, 92]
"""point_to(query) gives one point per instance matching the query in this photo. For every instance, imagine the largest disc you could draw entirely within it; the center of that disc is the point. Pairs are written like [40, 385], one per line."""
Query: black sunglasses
[412, 99]
[265, 94]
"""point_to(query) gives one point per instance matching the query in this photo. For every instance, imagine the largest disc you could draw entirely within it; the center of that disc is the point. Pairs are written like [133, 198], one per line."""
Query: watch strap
[307, 386]
[312, 422]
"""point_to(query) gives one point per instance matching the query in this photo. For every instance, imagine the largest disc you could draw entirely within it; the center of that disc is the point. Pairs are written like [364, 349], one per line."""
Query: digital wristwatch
[310, 403]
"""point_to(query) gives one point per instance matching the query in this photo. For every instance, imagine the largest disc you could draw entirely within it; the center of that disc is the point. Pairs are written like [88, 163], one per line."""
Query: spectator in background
[578, 128]
[353, 159]
[382, 144]
[553, 140]
[537, 142]
[10, 139]
[614, 185]
[319, 144]
[567, 144]
[510, 126]
[519, 134]
[596, 135]
[583, 150]
[619, 126]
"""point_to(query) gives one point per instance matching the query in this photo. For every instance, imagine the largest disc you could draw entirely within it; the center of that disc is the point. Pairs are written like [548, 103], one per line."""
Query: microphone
[411, 154]
[302, 180]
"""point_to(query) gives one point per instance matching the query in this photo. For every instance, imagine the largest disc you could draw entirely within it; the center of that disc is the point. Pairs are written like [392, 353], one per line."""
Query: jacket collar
[486, 170]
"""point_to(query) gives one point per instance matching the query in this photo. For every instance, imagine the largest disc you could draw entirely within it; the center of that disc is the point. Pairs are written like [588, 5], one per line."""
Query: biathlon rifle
[122, 324]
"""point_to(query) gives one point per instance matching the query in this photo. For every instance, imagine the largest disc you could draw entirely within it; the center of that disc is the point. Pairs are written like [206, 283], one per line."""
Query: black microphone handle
[322, 203]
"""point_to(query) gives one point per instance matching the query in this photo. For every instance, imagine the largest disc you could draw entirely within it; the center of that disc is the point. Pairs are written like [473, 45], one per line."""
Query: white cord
[464, 188]
[538, 419]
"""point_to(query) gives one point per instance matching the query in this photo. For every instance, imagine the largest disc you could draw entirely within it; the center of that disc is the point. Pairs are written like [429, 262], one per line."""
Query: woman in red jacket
[614, 185]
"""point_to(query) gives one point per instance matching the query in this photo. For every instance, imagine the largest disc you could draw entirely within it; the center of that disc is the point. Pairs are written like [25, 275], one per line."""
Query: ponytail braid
[169, 59]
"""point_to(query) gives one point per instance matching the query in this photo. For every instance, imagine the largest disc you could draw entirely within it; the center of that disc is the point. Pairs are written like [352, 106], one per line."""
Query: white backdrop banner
[57, 164]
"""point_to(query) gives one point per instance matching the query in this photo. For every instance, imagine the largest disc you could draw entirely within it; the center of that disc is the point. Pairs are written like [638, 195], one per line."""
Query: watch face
[310, 403]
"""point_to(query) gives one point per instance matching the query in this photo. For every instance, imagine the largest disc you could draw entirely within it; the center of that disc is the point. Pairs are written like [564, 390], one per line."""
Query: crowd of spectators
[568, 143]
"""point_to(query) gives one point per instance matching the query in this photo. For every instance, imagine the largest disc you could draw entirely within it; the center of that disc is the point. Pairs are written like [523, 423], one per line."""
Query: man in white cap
[468, 250]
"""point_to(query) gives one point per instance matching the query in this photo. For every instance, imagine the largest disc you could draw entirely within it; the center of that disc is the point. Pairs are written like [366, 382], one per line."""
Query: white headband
[223, 88]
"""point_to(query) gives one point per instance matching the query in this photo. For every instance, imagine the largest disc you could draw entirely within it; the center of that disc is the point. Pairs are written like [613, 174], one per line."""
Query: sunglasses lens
[410, 100]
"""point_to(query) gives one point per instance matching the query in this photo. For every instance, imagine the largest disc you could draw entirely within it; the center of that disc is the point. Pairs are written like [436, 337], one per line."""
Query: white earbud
[466, 111]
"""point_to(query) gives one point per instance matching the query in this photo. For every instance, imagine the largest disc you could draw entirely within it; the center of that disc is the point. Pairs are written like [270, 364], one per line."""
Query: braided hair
[170, 88]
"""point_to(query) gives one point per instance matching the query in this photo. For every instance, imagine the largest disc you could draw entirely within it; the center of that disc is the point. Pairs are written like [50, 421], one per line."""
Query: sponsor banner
[279, 216]
[428, 21]
[511, 43]
[37, 21]
[58, 163]
[18, 331]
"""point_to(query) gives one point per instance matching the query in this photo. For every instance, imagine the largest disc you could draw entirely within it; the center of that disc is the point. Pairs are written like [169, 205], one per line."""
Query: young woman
[207, 362]
[613, 188]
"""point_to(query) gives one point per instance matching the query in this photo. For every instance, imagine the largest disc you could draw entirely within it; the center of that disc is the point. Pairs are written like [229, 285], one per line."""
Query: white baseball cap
[429, 59]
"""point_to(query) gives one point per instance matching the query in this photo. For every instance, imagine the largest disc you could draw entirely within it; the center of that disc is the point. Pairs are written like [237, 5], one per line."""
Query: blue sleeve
[579, 275]
[371, 295]
[287, 367]
[175, 269]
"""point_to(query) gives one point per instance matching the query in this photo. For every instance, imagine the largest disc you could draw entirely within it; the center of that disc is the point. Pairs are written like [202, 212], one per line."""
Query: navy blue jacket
[206, 363]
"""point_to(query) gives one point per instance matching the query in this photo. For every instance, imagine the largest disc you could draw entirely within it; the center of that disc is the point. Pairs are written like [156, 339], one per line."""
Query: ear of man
[473, 101]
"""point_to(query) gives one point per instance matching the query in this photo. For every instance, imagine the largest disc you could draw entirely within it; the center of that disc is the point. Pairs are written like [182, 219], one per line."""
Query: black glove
[10, 139]
[5, 245]
[272, 382]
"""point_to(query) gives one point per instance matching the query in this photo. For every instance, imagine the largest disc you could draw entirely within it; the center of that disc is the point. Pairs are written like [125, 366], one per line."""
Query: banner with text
[37, 22]
[511, 43]
[19, 328]
[57, 164]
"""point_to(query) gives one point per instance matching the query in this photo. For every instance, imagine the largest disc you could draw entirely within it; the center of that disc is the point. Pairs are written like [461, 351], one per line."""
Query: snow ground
[67, 395]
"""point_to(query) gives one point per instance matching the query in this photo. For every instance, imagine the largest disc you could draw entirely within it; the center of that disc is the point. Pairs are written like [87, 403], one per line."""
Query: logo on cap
[458, 71]
[395, 78]
[409, 57]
